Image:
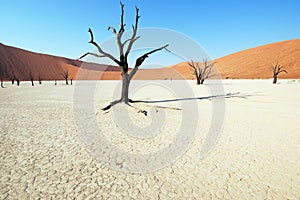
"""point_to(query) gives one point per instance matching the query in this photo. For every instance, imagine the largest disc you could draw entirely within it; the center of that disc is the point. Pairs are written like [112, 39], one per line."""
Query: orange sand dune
[251, 63]
[256, 62]
[19, 62]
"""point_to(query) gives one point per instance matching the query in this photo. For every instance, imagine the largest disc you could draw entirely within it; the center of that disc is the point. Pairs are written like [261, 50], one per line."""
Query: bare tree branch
[141, 59]
[134, 39]
[122, 25]
[134, 31]
[105, 54]
[191, 64]
[276, 67]
[120, 34]
[194, 68]
[92, 54]
[113, 29]
[65, 74]
[282, 71]
[207, 69]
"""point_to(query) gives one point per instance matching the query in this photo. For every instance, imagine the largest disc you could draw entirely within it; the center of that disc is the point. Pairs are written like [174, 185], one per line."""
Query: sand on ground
[257, 154]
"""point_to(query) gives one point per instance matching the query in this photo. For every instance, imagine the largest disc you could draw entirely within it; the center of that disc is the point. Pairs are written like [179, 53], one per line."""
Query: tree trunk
[198, 80]
[67, 81]
[125, 88]
[274, 79]
[202, 81]
[32, 84]
[2, 83]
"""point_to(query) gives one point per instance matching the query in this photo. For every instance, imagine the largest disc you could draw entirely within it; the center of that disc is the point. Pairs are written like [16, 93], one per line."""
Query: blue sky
[220, 26]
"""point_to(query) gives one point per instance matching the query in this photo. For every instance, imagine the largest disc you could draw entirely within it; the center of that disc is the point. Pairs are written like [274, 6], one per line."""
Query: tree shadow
[288, 82]
[212, 97]
[224, 96]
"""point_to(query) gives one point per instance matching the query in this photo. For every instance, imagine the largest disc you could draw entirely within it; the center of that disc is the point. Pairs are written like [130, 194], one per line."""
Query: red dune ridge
[19, 63]
[255, 63]
[252, 63]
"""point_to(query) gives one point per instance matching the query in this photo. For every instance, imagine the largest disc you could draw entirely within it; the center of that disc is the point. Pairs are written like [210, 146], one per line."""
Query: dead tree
[2, 83]
[13, 78]
[65, 74]
[71, 81]
[277, 69]
[31, 78]
[55, 83]
[18, 81]
[40, 80]
[201, 73]
[125, 46]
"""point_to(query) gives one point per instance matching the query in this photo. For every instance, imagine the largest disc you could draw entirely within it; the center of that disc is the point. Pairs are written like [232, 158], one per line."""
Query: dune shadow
[224, 96]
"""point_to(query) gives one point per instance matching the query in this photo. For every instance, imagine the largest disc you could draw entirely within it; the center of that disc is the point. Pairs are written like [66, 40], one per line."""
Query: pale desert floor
[257, 154]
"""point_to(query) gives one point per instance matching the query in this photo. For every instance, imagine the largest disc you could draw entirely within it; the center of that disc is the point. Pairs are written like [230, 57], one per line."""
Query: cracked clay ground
[257, 155]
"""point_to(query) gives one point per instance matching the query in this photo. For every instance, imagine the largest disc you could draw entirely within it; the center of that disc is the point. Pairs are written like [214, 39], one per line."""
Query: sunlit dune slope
[256, 62]
[251, 64]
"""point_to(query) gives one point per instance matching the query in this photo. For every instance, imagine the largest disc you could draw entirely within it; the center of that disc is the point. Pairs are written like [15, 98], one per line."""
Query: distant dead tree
[277, 69]
[2, 83]
[13, 78]
[31, 78]
[40, 79]
[18, 81]
[125, 47]
[65, 74]
[201, 73]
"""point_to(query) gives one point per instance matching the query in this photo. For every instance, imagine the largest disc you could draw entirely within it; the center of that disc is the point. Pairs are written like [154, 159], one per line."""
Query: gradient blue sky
[222, 27]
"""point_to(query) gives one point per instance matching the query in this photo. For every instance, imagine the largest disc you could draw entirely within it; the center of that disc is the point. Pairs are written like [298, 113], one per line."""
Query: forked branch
[207, 69]
[201, 73]
[141, 59]
[100, 50]
[122, 25]
[282, 71]
[134, 31]
[277, 69]
[194, 67]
